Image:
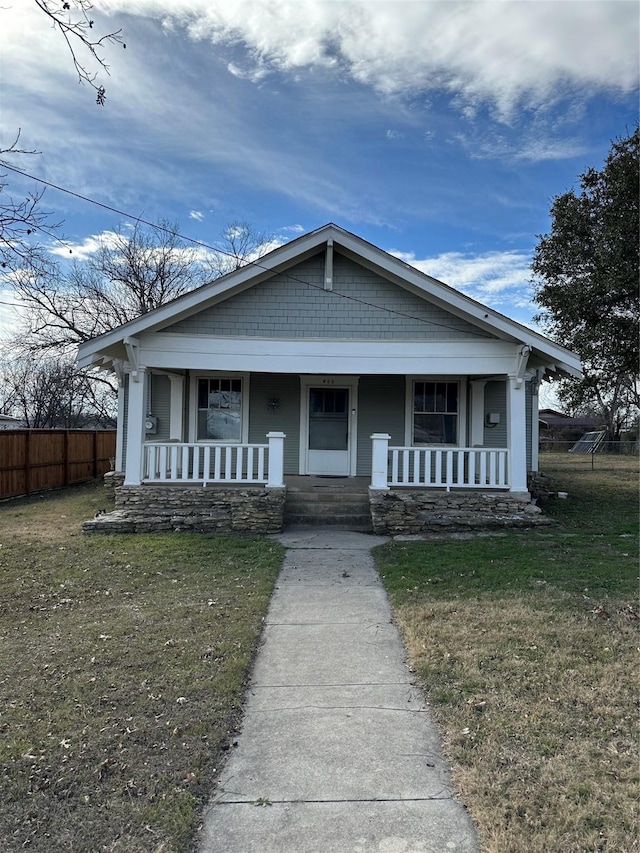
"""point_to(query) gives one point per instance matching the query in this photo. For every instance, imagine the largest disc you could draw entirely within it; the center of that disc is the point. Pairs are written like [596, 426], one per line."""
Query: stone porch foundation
[412, 512]
[215, 509]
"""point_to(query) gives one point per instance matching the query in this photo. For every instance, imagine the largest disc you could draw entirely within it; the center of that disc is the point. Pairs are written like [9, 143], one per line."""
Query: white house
[327, 357]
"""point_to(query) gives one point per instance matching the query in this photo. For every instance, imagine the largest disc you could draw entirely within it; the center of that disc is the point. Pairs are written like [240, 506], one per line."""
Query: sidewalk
[337, 753]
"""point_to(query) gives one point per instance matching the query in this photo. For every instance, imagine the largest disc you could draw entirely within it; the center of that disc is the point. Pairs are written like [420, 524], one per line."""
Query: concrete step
[348, 522]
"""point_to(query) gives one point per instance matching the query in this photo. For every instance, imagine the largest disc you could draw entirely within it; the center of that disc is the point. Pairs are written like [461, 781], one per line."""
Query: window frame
[194, 409]
[461, 414]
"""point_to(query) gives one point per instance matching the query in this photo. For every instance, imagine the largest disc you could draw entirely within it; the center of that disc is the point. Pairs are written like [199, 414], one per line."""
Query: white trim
[474, 356]
[193, 405]
[461, 439]
[330, 381]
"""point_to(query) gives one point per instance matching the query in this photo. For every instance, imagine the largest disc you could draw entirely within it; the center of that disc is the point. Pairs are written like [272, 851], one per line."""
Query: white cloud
[482, 51]
[198, 215]
[497, 279]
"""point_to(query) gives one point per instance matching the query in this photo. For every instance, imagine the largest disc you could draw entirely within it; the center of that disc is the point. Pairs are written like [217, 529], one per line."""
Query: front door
[328, 451]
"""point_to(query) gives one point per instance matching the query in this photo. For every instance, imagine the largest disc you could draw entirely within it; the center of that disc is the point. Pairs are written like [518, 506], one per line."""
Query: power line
[203, 245]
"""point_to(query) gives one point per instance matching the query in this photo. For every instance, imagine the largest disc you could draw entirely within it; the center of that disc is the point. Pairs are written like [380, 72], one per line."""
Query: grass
[125, 660]
[526, 645]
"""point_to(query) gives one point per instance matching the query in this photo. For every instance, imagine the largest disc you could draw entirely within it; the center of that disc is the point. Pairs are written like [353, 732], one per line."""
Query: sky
[438, 131]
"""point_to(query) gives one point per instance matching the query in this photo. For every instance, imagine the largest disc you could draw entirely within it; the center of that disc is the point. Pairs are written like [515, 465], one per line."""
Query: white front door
[328, 449]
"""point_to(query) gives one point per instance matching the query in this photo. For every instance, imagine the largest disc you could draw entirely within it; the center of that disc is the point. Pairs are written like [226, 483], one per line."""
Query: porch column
[135, 427]
[176, 407]
[477, 413]
[380, 455]
[275, 476]
[535, 422]
[517, 434]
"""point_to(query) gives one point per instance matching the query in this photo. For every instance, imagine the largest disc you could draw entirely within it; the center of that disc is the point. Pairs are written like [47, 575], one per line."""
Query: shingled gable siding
[286, 307]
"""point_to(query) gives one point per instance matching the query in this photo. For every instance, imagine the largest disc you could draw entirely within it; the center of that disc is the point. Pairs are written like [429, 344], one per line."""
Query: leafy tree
[586, 272]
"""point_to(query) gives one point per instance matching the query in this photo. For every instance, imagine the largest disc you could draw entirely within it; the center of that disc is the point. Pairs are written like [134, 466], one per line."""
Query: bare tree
[240, 244]
[51, 393]
[72, 19]
[132, 272]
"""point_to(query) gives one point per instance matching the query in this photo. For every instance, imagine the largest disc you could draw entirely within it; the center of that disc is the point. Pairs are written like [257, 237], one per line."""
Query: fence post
[275, 477]
[65, 458]
[380, 453]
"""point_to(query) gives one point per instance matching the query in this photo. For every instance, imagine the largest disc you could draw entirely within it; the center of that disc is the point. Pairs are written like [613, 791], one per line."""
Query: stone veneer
[412, 512]
[214, 509]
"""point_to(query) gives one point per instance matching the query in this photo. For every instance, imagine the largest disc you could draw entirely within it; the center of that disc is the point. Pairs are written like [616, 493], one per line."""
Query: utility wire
[200, 243]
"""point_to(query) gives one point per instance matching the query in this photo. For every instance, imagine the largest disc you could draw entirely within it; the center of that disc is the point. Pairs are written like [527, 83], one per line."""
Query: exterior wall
[141, 509]
[160, 406]
[381, 408]
[286, 389]
[295, 305]
[415, 512]
[495, 400]
[529, 404]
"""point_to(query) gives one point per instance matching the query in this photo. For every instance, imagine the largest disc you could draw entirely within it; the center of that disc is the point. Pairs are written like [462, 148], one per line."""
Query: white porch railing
[438, 467]
[177, 462]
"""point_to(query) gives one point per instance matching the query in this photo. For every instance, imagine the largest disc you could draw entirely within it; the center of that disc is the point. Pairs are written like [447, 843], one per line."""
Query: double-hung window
[219, 409]
[435, 413]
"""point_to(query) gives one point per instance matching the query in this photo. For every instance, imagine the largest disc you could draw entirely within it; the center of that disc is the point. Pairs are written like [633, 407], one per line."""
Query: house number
[328, 381]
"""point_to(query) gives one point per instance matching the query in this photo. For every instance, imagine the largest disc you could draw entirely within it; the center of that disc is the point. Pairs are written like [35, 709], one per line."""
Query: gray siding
[381, 402]
[294, 305]
[286, 418]
[160, 400]
[125, 421]
[529, 403]
[495, 400]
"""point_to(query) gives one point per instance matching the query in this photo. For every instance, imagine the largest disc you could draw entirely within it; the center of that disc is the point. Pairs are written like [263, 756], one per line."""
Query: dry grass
[124, 665]
[527, 649]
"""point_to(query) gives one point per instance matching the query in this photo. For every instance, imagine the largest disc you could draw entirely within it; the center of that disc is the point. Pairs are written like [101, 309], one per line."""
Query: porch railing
[438, 467]
[177, 462]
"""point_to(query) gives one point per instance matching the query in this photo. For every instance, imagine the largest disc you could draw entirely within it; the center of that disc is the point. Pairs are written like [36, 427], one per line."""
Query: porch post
[135, 428]
[535, 422]
[379, 456]
[275, 477]
[176, 405]
[517, 434]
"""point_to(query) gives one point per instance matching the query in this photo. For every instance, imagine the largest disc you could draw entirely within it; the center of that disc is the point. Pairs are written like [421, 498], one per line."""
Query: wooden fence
[32, 460]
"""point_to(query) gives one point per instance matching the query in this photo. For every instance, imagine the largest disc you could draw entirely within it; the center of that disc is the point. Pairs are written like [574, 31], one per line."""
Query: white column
[135, 428]
[379, 456]
[275, 477]
[517, 434]
[535, 422]
[476, 438]
[176, 408]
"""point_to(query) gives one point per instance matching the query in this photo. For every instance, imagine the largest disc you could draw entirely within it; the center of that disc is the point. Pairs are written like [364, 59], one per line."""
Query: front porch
[237, 488]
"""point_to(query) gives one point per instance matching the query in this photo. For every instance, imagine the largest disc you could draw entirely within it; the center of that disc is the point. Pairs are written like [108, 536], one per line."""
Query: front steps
[337, 502]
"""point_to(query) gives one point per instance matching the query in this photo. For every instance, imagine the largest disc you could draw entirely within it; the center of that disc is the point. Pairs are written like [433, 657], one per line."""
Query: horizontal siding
[286, 418]
[160, 408]
[380, 409]
[295, 305]
[495, 400]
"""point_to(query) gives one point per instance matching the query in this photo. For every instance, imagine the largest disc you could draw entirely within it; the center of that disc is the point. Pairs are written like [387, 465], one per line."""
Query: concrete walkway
[337, 753]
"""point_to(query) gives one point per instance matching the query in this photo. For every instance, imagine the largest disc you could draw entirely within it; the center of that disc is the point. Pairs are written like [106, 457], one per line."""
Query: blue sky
[439, 131]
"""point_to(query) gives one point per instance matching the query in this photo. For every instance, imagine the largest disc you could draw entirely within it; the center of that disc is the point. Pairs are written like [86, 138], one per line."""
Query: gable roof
[360, 251]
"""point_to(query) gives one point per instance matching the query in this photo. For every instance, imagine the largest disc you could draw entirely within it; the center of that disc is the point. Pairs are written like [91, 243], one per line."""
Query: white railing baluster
[173, 462]
[451, 467]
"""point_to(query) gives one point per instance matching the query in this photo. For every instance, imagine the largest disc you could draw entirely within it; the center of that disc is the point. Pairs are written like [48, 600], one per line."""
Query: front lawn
[526, 645]
[125, 660]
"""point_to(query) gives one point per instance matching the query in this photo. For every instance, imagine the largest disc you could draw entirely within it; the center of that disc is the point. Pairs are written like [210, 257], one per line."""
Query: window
[435, 413]
[219, 409]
